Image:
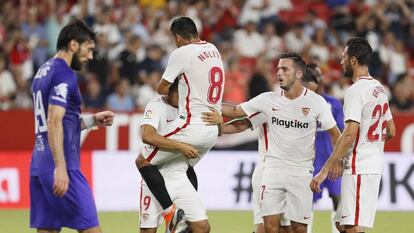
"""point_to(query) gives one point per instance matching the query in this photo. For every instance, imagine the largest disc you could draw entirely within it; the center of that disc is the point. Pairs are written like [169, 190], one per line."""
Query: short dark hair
[311, 75]
[297, 60]
[360, 49]
[75, 30]
[185, 27]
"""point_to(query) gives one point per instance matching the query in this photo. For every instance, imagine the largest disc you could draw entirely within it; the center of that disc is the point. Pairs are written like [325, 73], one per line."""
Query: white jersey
[259, 122]
[158, 113]
[200, 69]
[366, 102]
[292, 129]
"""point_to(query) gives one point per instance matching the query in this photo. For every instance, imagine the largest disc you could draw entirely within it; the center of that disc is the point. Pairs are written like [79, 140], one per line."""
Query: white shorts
[289, 195]
[359, 197]
[201, 137]
[181, 191]
[256, 185]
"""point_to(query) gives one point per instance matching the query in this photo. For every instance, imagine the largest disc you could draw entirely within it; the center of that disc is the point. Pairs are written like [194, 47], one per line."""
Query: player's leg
[272, 223]
[46, 231]
[299, 202]
[285, 225]
[273, 197]
[150, 211]
[359, 201]
[256, 184]
[91, 230]
[200, 226]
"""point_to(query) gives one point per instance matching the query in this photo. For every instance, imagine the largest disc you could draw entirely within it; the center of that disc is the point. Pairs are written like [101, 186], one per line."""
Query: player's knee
[285, 229]
[299, 228]
[339, 227]
[148, 230]
[141, 162]
[201, 227]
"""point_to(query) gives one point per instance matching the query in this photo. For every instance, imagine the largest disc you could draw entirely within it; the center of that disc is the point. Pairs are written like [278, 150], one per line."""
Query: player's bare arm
[344, 143]
[390, 130]
[232, 111]
[55, 138]
[163, 87]
[150, 136]
[236, 126]
[336, 170]
[100, 119]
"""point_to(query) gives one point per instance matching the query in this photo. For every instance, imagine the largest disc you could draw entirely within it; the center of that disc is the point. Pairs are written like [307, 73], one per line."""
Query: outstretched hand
[105, 118]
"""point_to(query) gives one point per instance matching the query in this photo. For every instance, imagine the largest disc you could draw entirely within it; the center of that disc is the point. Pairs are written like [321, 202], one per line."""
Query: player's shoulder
[312, 96]
[157, 103]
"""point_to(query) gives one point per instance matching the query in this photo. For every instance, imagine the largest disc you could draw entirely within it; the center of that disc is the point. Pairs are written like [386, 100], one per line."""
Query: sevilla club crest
[305, 111]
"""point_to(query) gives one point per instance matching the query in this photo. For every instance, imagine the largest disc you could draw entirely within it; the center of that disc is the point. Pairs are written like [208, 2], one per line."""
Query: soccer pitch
[17, 221]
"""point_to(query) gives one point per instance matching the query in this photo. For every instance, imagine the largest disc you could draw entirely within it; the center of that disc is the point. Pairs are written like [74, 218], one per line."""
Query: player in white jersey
[198, 66]
[292, 115]
[256, 121]
[368, 124]
[182, 189]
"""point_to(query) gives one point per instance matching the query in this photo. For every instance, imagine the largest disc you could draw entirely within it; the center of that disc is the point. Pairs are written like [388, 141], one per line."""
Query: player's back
[55, 83]
[202, 82]
[373, 110]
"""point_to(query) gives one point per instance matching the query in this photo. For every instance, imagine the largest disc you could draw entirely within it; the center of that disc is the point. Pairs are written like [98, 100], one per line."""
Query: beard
[76, 64]
[348, 72]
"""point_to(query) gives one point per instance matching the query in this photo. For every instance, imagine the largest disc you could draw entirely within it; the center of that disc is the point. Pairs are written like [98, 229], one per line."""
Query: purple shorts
[76, 209]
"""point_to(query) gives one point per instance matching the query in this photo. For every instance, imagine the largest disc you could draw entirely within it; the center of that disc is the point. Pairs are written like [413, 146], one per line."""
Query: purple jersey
[323, 142]
[55, 83]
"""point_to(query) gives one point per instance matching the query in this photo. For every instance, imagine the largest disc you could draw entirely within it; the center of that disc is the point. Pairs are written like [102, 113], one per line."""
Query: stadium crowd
[133, 44]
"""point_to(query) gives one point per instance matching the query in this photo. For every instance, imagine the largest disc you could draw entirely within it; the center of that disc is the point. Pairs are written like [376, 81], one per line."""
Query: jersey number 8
[216, 79]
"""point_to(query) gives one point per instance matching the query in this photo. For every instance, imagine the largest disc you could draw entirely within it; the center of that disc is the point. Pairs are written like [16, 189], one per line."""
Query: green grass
[17, 221]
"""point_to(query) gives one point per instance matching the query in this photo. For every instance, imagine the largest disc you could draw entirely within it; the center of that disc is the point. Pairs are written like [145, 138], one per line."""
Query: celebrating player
[59, 193]
[323, 142]
[198, 66]
[292, 115]
[368, 124]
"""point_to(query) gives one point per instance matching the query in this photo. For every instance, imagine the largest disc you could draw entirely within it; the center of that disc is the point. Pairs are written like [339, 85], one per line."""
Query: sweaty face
[286, 73]
[82, 55]
[346, 64]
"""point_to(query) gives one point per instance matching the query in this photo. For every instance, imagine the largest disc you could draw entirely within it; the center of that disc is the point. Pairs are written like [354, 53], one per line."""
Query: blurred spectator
[35, 32]
[318, 48]
[147, 91]
[296, 39]
[93, 98]
[20, 53]
[7, 85]
[312, 23]
[56, 21]
[152, 61]
[274, 45]
[121, 100]
[128, 67]
[100, 65]
[248, 43]
[235, 86]
[23, 97]
[401, 94]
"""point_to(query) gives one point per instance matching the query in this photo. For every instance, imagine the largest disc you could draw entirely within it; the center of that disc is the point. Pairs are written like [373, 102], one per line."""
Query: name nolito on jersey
[290, 124]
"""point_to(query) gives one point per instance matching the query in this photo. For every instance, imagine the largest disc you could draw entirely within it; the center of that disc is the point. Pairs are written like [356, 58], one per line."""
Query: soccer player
[59, 193]
[198, 66]
[368, 124]
[180, 179]
[256, 121]
[292, 115]
[323, 142]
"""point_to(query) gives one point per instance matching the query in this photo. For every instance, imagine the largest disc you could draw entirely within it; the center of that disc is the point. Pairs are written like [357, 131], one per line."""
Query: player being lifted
[198, 66]
[59, 193]
[323, 142]
[292, 115]
[368, 124]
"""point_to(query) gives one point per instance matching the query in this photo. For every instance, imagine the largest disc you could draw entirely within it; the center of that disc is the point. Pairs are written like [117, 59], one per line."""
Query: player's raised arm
[55, 138]
[163, 87]
[344, 143]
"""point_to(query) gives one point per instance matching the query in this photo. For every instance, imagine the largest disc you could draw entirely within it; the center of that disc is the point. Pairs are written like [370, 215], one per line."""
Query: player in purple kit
[323, 141]
[59, 193]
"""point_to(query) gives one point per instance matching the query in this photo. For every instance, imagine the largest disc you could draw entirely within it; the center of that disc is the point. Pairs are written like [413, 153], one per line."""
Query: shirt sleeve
[257, 120]
[325, 116]
[63, 86]
[353, 105]
[253, 106]
[152, 115]
[176, 65]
